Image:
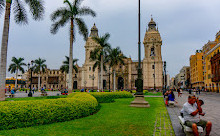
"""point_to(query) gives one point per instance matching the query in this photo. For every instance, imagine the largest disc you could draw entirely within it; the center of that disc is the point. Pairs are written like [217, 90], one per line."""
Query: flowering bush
[17, 114]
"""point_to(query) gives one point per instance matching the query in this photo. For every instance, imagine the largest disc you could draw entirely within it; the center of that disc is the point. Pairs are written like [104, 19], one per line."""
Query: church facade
[152, 65]
[152, 68]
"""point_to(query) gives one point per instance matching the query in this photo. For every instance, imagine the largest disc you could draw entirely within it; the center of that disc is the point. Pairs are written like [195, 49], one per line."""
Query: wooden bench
[43, 94]
[171, 103]
[187, 130]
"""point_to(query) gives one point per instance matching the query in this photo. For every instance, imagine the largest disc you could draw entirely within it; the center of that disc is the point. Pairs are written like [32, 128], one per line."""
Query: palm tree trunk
[102, 73]
[114, 79]
[16, 79]
[70, 85]
[4, 50]
[98, 79]
[38, 81]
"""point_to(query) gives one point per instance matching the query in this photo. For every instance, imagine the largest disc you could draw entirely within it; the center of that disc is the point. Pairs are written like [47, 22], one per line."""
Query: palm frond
[75, 68]
[16, 65]
[97, 64]
[59, 14]
[2, 5]
[36, 8]
[82, 28]
[70, 6]
[76, 3]
[20, 13]
[87, 11]
[12, 68]
[55, 27]
[39, 65]
[106, 37]
[65, 66]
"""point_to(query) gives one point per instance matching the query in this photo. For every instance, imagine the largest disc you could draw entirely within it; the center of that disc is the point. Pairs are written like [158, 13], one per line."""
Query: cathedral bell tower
[90, 77]
[152, 63]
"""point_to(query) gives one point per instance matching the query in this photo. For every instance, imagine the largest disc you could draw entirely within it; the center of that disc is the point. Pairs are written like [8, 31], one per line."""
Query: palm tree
[65, 66]
[39, 67]
[115, 58]
[71, 14]
[96, 56]
[102, 51]
[37, 11]
[15, 66]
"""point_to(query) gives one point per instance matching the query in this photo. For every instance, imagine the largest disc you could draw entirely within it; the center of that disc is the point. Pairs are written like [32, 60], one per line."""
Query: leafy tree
[71, 13]
[101, 51]
[115, 58]
[65, 66]
[96, 56]
[15, 67]
[37, 10]
[39, 67]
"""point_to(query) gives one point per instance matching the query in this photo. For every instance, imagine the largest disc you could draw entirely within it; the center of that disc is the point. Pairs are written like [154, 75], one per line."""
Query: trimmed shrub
[17, 114]
[106, 97]
[144, 91]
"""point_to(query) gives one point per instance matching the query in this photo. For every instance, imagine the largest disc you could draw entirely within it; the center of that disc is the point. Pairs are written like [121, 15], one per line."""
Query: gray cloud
[185, 26]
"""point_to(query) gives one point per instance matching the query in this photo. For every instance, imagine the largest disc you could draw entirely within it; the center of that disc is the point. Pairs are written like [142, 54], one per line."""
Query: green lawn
[154, 93]
[113, 119]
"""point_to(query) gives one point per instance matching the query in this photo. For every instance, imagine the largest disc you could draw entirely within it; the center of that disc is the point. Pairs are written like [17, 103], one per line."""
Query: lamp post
[139, 100]
[139, 81]
[109, 78]
[31, 68]
[154, 76]
[165, 76]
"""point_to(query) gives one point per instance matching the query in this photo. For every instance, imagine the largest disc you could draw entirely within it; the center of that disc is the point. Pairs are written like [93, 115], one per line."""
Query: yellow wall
[12, 85]
[207, 67]
[196, 70]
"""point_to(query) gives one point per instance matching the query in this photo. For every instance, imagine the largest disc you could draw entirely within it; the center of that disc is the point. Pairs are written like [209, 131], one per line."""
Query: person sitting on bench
[191, 111]
[171, 96]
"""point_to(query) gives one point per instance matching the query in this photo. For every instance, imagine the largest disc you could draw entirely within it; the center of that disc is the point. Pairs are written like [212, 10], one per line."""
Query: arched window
[152, 52]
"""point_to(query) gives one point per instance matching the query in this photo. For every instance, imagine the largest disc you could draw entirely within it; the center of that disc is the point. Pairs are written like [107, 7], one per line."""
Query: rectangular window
[209, 76]
[152, 66]
[90, 68]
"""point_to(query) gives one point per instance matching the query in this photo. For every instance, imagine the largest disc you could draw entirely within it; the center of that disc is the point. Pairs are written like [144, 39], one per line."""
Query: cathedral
[152, 65]
[152, 68]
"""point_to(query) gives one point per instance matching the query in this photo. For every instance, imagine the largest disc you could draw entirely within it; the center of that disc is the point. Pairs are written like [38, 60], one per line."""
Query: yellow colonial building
[214, 48]
[196, 70]
[10, 83]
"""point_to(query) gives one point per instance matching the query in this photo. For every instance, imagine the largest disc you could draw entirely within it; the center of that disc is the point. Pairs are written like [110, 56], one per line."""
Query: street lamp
[165, 75]
[139, 81]
[109, 78]
[31, 67]
[139, 100]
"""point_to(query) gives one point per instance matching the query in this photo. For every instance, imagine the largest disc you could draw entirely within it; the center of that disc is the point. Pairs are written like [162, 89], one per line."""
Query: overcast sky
[184, 25]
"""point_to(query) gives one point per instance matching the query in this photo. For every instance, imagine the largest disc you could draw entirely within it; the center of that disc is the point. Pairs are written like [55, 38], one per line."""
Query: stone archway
[120, 83]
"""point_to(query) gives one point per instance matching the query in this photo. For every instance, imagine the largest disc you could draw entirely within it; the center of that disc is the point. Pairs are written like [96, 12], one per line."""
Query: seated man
[191, 111]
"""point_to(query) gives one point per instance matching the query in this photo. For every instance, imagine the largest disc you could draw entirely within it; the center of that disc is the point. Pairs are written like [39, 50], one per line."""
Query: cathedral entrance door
[120, 83]
[75, 85]
[104, 84]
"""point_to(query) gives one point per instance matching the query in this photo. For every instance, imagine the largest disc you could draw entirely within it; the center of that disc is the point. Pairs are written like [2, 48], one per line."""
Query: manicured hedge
[17, 114]
[106, 97]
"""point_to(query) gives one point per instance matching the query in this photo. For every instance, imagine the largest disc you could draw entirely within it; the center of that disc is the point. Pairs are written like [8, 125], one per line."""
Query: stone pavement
[19, 94]
[211, 107]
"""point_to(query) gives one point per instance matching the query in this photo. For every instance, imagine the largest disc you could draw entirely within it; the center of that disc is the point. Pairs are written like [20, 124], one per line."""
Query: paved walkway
[19, 94]
[211, 108]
